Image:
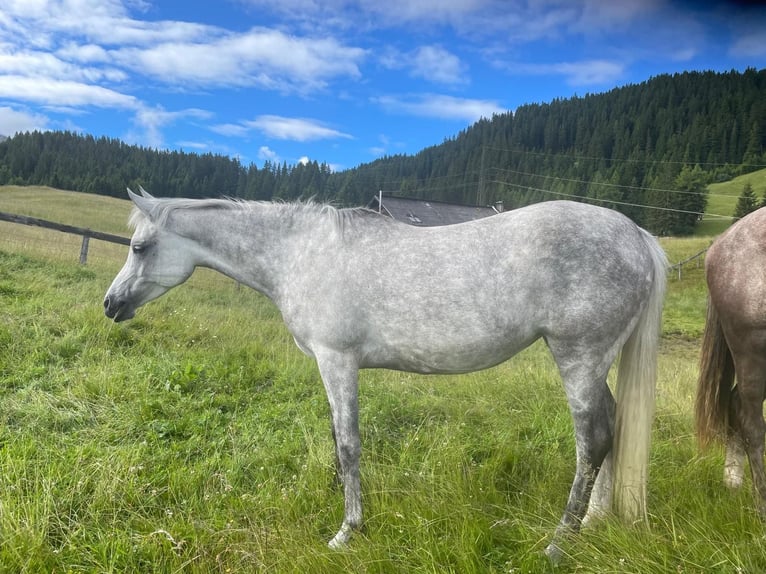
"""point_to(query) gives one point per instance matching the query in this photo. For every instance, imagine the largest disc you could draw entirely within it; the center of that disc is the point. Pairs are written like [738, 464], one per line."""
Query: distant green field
[92, 211]
[722, 200]
[195, 438]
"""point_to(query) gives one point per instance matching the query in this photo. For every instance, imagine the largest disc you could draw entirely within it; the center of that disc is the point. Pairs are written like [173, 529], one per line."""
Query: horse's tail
[715, 385]
[636, 382]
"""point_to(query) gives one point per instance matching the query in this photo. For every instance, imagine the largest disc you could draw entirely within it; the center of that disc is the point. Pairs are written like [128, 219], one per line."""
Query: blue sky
[338, 81]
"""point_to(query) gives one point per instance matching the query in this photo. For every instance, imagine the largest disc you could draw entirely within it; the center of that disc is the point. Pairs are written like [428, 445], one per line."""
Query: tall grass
[196, 438]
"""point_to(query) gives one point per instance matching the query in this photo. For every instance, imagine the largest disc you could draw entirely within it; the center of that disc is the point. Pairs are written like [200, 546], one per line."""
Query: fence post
[84, 249]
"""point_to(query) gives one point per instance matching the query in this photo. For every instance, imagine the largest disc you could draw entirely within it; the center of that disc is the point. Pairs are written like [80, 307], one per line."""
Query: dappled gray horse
[359, 290]
[734, 343]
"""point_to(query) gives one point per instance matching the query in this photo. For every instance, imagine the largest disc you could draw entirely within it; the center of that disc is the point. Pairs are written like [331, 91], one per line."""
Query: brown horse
[735, 342]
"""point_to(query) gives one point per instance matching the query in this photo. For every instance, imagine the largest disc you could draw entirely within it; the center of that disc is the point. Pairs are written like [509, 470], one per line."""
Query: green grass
[195, 438]
[97, 212]
[722, 200]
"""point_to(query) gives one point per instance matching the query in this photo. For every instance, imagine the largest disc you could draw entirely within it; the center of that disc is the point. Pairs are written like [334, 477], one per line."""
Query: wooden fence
[697, 258]
[84, 232]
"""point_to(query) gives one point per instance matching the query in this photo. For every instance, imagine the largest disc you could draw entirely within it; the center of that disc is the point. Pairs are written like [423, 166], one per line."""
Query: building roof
[426, 213]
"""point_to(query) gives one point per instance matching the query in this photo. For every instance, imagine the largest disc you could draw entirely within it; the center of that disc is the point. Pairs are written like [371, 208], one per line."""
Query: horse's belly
[440, 358]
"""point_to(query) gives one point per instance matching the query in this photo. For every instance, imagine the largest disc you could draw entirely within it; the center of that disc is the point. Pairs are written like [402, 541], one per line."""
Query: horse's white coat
[358, 290]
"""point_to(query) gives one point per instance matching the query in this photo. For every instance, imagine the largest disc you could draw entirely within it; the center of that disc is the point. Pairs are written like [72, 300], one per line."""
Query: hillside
[648, 150]
[86, 210]
[722, 199]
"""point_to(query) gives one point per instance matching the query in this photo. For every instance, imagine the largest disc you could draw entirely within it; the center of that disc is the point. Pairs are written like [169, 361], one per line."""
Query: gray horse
[359, 290]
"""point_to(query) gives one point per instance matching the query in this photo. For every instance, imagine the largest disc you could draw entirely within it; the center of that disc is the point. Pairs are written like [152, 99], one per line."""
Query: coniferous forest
[658, 144]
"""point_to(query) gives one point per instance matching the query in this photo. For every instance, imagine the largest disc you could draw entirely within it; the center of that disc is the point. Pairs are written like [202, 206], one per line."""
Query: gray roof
[426, 213]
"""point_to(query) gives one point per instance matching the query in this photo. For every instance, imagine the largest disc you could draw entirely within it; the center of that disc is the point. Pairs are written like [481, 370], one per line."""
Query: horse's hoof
[554, 553]
[341, 539]
[733, 476]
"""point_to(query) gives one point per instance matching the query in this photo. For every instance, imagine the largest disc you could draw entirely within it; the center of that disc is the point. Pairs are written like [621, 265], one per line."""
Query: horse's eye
[138, 248]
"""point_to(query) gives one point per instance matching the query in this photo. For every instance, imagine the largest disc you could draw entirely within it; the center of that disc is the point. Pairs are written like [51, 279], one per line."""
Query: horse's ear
[143, 202]
[145, 193]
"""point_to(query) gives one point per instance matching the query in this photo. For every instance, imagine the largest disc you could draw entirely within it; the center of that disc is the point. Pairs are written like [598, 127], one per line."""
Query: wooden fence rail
[84, 232]
[697, 257]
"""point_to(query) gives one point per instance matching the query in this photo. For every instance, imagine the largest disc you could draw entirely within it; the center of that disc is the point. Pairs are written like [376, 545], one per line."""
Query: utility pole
[480, 190]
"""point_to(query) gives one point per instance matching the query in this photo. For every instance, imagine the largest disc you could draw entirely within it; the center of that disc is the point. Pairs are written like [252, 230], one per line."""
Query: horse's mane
[341, 217]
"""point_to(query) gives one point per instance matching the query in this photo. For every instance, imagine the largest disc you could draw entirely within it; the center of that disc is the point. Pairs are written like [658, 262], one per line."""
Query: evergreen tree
[746, 203]
[689, 201]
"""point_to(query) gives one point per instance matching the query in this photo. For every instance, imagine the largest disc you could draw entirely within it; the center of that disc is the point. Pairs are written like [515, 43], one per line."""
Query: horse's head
[158, 261]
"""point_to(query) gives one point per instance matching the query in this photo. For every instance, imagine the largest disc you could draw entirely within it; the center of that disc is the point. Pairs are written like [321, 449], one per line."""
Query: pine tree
[746, 203]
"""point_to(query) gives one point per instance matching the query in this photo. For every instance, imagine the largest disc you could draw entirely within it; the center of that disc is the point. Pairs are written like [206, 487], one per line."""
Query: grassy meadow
[722, 200]
[195, 438]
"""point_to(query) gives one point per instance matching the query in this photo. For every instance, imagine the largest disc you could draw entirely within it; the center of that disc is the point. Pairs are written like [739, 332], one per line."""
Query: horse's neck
[255, 246]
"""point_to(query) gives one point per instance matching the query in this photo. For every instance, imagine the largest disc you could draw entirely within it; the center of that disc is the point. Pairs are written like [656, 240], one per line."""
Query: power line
[614, 201]
[616, 185]
[626, 160]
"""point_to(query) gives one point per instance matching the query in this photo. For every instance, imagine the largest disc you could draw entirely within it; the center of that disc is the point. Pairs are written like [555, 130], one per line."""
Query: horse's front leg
[340, 377]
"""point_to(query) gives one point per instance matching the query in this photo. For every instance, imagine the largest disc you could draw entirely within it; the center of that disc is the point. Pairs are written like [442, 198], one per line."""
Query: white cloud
[304, 160]
[186, 144]
[107, 22]
[90, 53]
[432, 63]
[750, 44]
[582, 73]
[439, 65]
[373, 13]
[267, 154]
[66, 39]
[294, 129]
[600, 15]
[261, 57]
[47, 91]
[230, 130]
[589, 72]
[281, 128]
[13, 121]
[440, 106]
[151, 120]
[377, 151]
[43, 64]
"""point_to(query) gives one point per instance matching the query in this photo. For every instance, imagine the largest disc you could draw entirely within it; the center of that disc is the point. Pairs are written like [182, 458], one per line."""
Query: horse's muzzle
[117, 309]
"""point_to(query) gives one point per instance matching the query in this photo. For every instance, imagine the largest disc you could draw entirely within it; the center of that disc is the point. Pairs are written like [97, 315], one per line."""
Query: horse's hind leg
[734, 467]
[601, 496]
[592, 407]
[748, 410]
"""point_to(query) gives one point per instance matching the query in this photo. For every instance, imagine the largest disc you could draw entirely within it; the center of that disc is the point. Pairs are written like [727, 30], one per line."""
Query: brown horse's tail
[716, 381]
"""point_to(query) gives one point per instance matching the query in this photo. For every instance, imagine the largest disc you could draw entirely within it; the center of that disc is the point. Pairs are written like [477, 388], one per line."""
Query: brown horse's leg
[751, 383]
